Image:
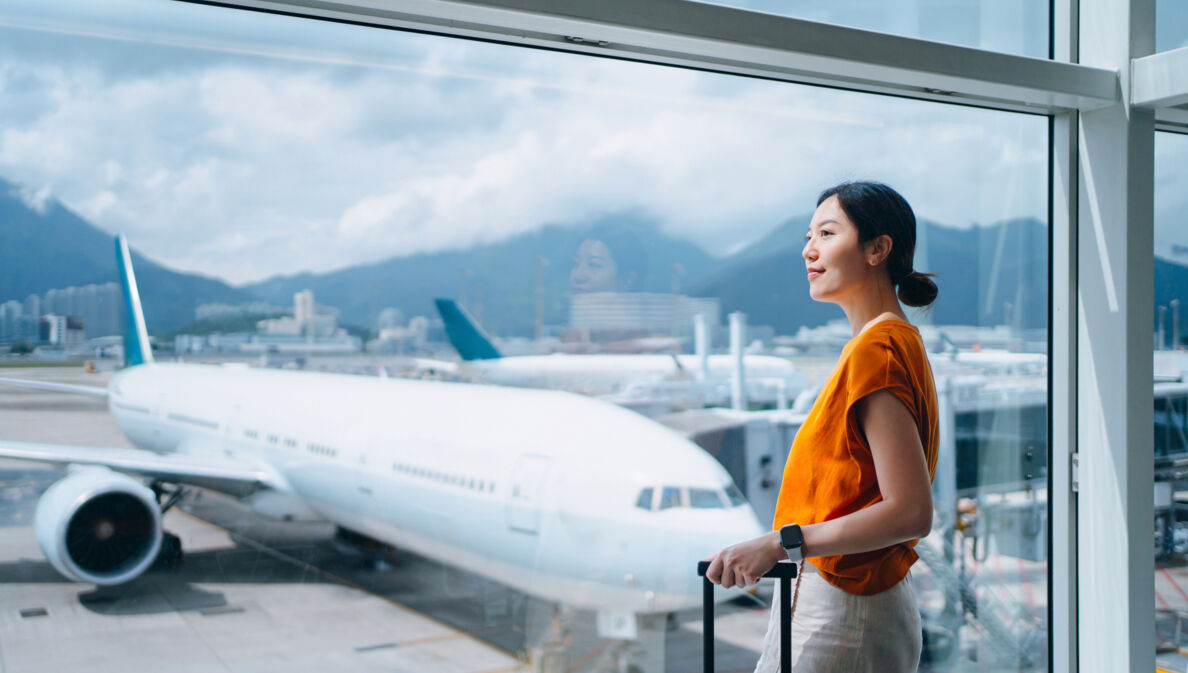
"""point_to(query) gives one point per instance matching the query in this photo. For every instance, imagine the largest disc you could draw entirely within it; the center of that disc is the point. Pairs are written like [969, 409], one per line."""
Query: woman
[856, 494]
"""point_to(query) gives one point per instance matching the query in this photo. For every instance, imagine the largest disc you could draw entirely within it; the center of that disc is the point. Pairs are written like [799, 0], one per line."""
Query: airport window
[670, 497]
[419, 157]
[705, 498]
[1013, 27]
[644, 501]
[734, 497]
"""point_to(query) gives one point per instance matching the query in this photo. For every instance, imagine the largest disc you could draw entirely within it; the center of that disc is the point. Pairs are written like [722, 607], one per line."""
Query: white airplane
[561, 496]
[595, 374]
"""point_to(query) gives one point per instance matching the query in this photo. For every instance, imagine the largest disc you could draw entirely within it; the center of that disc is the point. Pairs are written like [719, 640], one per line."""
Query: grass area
[30, 364]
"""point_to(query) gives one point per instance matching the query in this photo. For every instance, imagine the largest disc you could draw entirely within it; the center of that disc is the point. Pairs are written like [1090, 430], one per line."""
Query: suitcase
[786, 572]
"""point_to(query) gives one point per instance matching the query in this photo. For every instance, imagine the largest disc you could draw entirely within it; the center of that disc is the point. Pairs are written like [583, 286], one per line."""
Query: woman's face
[837, 264]
[594, 269]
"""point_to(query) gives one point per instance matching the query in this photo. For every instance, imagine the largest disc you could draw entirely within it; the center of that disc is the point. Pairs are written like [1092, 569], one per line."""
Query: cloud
[372, 143]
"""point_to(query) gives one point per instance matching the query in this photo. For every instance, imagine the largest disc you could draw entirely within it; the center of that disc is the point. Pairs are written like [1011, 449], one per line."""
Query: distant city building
[399, 339]
[609, 315]
[389, 318]
[309, 319]
[10, 316]
[61, 330]
[219, 310]
[311, 330]
[97, 305]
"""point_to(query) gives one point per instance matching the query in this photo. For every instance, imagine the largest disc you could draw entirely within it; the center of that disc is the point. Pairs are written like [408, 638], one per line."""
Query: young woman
[856, 494]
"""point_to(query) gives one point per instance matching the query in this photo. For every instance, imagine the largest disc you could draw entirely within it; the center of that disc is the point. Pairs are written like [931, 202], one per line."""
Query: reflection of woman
[856, 494]
[610, 259]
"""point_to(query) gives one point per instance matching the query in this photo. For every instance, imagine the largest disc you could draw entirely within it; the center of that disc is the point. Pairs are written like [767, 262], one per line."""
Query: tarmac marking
[1174, 583]
[454, 632]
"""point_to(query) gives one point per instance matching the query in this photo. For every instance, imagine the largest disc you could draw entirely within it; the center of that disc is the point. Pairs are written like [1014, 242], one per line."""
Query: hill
[52, 247]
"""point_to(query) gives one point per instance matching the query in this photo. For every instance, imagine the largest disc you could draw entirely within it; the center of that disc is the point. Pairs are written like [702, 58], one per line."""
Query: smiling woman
[296, 179]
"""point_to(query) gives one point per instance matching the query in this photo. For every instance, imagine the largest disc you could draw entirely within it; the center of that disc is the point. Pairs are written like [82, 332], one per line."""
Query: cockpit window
[705, 498]
[670, 497]
[645, 499]
[734, 496]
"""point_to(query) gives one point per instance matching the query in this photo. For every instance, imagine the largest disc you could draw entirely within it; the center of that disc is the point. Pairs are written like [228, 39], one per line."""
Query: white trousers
[834, 631]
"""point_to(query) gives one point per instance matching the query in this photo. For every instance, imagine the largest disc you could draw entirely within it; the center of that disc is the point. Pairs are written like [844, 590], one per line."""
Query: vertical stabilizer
[136, 343]
[464, 334]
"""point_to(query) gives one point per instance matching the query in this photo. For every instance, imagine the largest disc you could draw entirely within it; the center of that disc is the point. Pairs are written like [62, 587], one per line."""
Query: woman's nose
[808, 252]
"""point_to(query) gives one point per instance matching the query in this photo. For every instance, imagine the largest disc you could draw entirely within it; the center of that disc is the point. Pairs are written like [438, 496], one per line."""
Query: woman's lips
[813, 273]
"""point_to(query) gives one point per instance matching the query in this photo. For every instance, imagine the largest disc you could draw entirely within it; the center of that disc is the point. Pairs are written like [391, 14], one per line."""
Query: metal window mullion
[1062, 396]
[730, 40]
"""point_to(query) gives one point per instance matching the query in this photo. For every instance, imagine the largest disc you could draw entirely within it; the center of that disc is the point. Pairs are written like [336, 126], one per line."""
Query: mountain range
[987, 274]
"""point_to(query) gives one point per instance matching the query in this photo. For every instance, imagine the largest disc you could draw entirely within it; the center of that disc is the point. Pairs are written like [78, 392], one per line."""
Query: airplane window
[670, 497]
[705, 498]
[645, 499]
[734, 497]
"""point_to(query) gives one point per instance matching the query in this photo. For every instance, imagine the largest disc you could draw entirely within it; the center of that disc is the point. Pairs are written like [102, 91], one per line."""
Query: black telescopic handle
[785, 571]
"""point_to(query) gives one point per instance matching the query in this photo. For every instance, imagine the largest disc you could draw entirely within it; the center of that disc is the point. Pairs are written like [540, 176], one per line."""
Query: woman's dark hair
[876, 209]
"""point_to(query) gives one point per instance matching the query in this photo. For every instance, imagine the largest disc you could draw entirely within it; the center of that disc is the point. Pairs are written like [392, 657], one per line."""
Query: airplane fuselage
[540, 490]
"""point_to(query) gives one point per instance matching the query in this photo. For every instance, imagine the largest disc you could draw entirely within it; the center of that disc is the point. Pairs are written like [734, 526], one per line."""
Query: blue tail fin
[137, 350]
[464, 334]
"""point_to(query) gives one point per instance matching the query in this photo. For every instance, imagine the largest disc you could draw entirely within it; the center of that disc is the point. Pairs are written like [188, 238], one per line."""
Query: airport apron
[834, 631]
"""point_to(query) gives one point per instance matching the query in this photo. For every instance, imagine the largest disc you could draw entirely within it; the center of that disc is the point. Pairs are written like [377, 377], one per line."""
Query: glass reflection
[303, 192]
[1170, 397]
[1016, 27]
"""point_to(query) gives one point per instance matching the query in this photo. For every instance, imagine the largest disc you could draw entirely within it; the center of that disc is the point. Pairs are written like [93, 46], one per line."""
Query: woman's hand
[745, 563]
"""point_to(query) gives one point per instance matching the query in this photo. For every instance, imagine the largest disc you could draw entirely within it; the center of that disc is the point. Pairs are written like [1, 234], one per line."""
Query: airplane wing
[57, 387]
[219, 474]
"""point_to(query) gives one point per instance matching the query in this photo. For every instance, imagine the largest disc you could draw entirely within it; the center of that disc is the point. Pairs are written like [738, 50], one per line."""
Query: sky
[244, 145]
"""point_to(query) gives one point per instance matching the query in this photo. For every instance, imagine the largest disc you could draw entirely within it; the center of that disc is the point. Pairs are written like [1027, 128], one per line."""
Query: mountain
[51, 247]
[979, 270]
[498, 280]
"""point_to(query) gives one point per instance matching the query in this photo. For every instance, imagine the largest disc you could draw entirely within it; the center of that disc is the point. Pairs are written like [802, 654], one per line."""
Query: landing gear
[170, 555]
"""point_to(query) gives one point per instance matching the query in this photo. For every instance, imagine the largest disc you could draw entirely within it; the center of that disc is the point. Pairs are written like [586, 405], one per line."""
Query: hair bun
[917, 289]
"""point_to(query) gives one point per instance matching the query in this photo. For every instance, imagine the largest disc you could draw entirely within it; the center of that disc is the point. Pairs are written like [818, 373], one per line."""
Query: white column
[738, 384]
[701, 345]
[1115, 249]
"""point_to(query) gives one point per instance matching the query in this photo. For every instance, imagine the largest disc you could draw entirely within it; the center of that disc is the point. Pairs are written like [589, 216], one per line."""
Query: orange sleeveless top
[830, 470]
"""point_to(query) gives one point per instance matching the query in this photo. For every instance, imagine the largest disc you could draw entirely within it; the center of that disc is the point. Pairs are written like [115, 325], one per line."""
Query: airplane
[597, 373]
[561, 496]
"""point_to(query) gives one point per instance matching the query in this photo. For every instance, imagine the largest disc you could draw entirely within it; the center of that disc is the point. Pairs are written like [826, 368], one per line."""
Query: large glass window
[1015, 27]
[383, 239]
[1171, 25]
[1171, 396]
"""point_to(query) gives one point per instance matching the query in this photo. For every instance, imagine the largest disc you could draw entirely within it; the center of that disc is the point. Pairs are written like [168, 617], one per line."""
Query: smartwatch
[792, 540]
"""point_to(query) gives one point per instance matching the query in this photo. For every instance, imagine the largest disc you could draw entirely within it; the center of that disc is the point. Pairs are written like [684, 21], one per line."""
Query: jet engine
[98, 526]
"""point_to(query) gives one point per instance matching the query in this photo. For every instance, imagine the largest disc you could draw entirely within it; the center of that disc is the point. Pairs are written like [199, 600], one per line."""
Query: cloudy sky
[244, 145]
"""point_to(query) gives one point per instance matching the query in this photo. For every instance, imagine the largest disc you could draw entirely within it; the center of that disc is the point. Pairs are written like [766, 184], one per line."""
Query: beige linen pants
[834, 631]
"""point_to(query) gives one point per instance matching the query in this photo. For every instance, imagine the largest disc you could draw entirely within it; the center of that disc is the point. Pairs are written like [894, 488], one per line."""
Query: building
[610, 315]
[62, 330]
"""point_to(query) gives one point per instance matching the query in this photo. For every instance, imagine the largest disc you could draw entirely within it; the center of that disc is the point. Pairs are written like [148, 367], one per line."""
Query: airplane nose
[742, 524]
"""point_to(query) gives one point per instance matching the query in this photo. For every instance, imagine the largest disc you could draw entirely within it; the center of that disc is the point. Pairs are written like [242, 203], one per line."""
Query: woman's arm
[904, 513]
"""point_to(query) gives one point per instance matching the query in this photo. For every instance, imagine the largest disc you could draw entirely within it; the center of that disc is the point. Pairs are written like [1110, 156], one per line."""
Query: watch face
[790, 536]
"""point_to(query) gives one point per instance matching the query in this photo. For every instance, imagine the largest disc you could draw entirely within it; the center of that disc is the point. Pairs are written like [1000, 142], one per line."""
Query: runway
[254, 594]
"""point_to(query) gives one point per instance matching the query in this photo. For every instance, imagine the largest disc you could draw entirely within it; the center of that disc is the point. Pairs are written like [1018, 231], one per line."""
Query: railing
[785, 571]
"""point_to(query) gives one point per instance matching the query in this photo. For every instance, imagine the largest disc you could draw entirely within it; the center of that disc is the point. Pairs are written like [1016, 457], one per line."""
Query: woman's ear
[878, 249]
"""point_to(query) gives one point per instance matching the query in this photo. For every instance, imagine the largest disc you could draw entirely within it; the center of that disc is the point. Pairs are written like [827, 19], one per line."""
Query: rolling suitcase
[785, 571]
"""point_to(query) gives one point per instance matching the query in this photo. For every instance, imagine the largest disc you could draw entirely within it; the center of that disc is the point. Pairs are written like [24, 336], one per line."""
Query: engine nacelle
[98, 526]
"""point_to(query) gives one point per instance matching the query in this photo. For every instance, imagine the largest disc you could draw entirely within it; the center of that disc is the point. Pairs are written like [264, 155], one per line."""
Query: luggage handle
[785, 571]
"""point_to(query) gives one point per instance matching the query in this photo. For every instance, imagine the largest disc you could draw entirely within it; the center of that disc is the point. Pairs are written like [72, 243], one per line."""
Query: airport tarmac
[254, 594]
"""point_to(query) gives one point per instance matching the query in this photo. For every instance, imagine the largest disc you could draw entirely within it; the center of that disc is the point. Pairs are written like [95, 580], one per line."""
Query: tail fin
[467, 338]
[137, 350]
